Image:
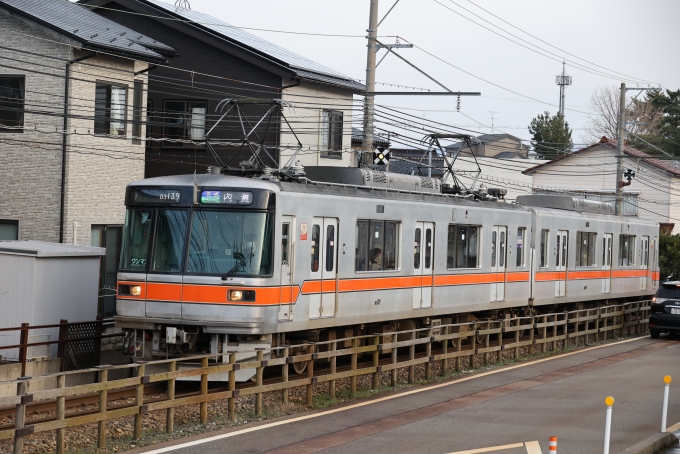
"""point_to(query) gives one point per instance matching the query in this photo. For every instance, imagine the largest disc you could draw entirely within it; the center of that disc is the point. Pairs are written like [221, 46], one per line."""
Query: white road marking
[533, 447]
[379, 400]
[493, 448]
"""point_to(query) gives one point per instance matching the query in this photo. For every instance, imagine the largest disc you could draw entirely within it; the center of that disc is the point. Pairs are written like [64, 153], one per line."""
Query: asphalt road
[506, 409]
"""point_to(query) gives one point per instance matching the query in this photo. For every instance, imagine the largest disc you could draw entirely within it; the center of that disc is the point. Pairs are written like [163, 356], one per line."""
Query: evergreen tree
[551, 136]
[666, 132]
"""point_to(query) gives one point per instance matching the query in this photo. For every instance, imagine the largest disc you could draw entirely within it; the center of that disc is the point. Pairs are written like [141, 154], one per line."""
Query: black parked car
[665, 313]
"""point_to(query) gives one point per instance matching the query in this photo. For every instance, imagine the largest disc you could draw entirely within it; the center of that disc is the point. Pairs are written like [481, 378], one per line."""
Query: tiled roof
[95, 32]
[414, 163]
[358, 138]
[630, 151]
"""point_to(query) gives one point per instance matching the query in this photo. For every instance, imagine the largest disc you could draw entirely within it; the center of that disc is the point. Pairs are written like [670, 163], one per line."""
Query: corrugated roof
[304, 67]
[96, 32]
[45, 249]
[630, 151]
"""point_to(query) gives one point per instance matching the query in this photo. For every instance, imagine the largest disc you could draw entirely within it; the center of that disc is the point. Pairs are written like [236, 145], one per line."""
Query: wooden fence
[456, 342]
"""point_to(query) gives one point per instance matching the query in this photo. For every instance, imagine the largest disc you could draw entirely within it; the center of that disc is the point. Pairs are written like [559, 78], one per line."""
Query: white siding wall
[596, 170]
[309, 100]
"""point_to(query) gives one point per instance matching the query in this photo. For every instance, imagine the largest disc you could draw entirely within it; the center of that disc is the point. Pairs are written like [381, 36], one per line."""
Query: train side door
[423, 263]
[323, 267]
[499, 240]
[644, 261]
[607, 262]
[287, 294]
[561, 262]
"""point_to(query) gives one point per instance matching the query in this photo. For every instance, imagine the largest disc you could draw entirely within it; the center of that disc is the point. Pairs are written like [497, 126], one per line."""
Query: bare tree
[641, 117]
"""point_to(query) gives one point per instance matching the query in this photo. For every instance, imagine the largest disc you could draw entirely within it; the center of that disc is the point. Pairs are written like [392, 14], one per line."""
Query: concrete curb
[653, 444]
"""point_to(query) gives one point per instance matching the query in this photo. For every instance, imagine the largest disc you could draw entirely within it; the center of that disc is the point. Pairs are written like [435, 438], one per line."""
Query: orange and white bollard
[553, 445]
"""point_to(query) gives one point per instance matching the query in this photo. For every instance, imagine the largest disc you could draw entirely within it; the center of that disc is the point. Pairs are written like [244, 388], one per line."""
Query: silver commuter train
[216, 263]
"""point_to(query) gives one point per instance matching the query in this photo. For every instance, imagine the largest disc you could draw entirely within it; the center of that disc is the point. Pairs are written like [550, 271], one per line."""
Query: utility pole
[619, 157]
[369, 105]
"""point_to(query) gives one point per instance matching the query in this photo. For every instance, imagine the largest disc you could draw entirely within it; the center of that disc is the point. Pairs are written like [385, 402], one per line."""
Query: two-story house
[218, 61]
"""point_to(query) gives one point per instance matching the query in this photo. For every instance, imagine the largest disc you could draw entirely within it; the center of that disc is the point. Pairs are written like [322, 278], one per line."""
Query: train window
[285, 251]
[136, 239]
[416, 249]
[330, 246]
[231, 242]
[316, 247]
[170, 235]
[501, 250]
[377, 245]
[544, 248]
[493, 249]
[521, 238]
[626, 250]
[463, 246]
[585, 248]
[428, 248]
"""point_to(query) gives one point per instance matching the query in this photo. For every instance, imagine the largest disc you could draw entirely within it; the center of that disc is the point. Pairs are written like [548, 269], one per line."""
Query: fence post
[376, 360]
[103, 395]
[353, 366]
[576, 336]
[310, 375]
[334, 361]
[486, 345]
[604, 325]
[204, 391]
[23, 350]
[544, 334]
[499, 354]
[609, 401]
[445, 350]
[284, 376]
[664, 413]
[554, 333]
[61, 347]
[20, 417]
[258, 381]
[61, 413]
[473, 345]
[170, 412]
[139, 401]
[597, 325]
[394, 370]
[411, 357]
[232, 386]
[459, 347]
[428, 353]
[515, 354]
[532, 345]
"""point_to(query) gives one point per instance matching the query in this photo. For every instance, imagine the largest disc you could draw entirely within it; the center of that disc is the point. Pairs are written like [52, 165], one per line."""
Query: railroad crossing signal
[381, 158]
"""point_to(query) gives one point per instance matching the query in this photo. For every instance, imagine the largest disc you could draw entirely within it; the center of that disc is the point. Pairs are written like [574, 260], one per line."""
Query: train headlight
[136, 290]
[241, 295]
[236, 295]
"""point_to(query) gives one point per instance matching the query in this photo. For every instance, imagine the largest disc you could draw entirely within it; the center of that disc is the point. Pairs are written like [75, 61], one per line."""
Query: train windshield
[238, 243]
[136, 239]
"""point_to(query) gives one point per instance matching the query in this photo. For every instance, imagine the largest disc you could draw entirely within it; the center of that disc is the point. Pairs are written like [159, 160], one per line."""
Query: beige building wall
[310, 100]
[98, 168]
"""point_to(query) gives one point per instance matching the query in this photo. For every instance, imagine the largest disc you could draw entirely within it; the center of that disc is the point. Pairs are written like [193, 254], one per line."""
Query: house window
[585, 248]
[544, 249]
[137, 116]
[11, 103]
[183, 120]
[626, 250]
[331, 132]
[521, 246]
[109, 109]
[9, 230]
[462, 246]
[377, 245]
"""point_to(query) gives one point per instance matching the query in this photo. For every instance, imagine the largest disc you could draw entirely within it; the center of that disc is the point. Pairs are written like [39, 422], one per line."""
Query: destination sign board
[227, 197]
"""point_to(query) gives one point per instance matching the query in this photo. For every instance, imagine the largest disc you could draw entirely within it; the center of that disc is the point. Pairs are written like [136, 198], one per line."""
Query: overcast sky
[638, 39]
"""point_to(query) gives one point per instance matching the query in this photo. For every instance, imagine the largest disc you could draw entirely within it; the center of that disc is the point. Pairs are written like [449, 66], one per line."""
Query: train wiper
[242, 262]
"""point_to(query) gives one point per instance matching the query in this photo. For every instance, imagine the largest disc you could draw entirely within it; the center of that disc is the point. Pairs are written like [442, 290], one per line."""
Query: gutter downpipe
[64, 144]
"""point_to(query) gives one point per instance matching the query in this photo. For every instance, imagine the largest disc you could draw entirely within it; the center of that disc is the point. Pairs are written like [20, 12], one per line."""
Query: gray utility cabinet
[41, 283]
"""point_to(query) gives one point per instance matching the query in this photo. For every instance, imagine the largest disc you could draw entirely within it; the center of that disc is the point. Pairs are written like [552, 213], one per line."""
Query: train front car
[196, 272]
